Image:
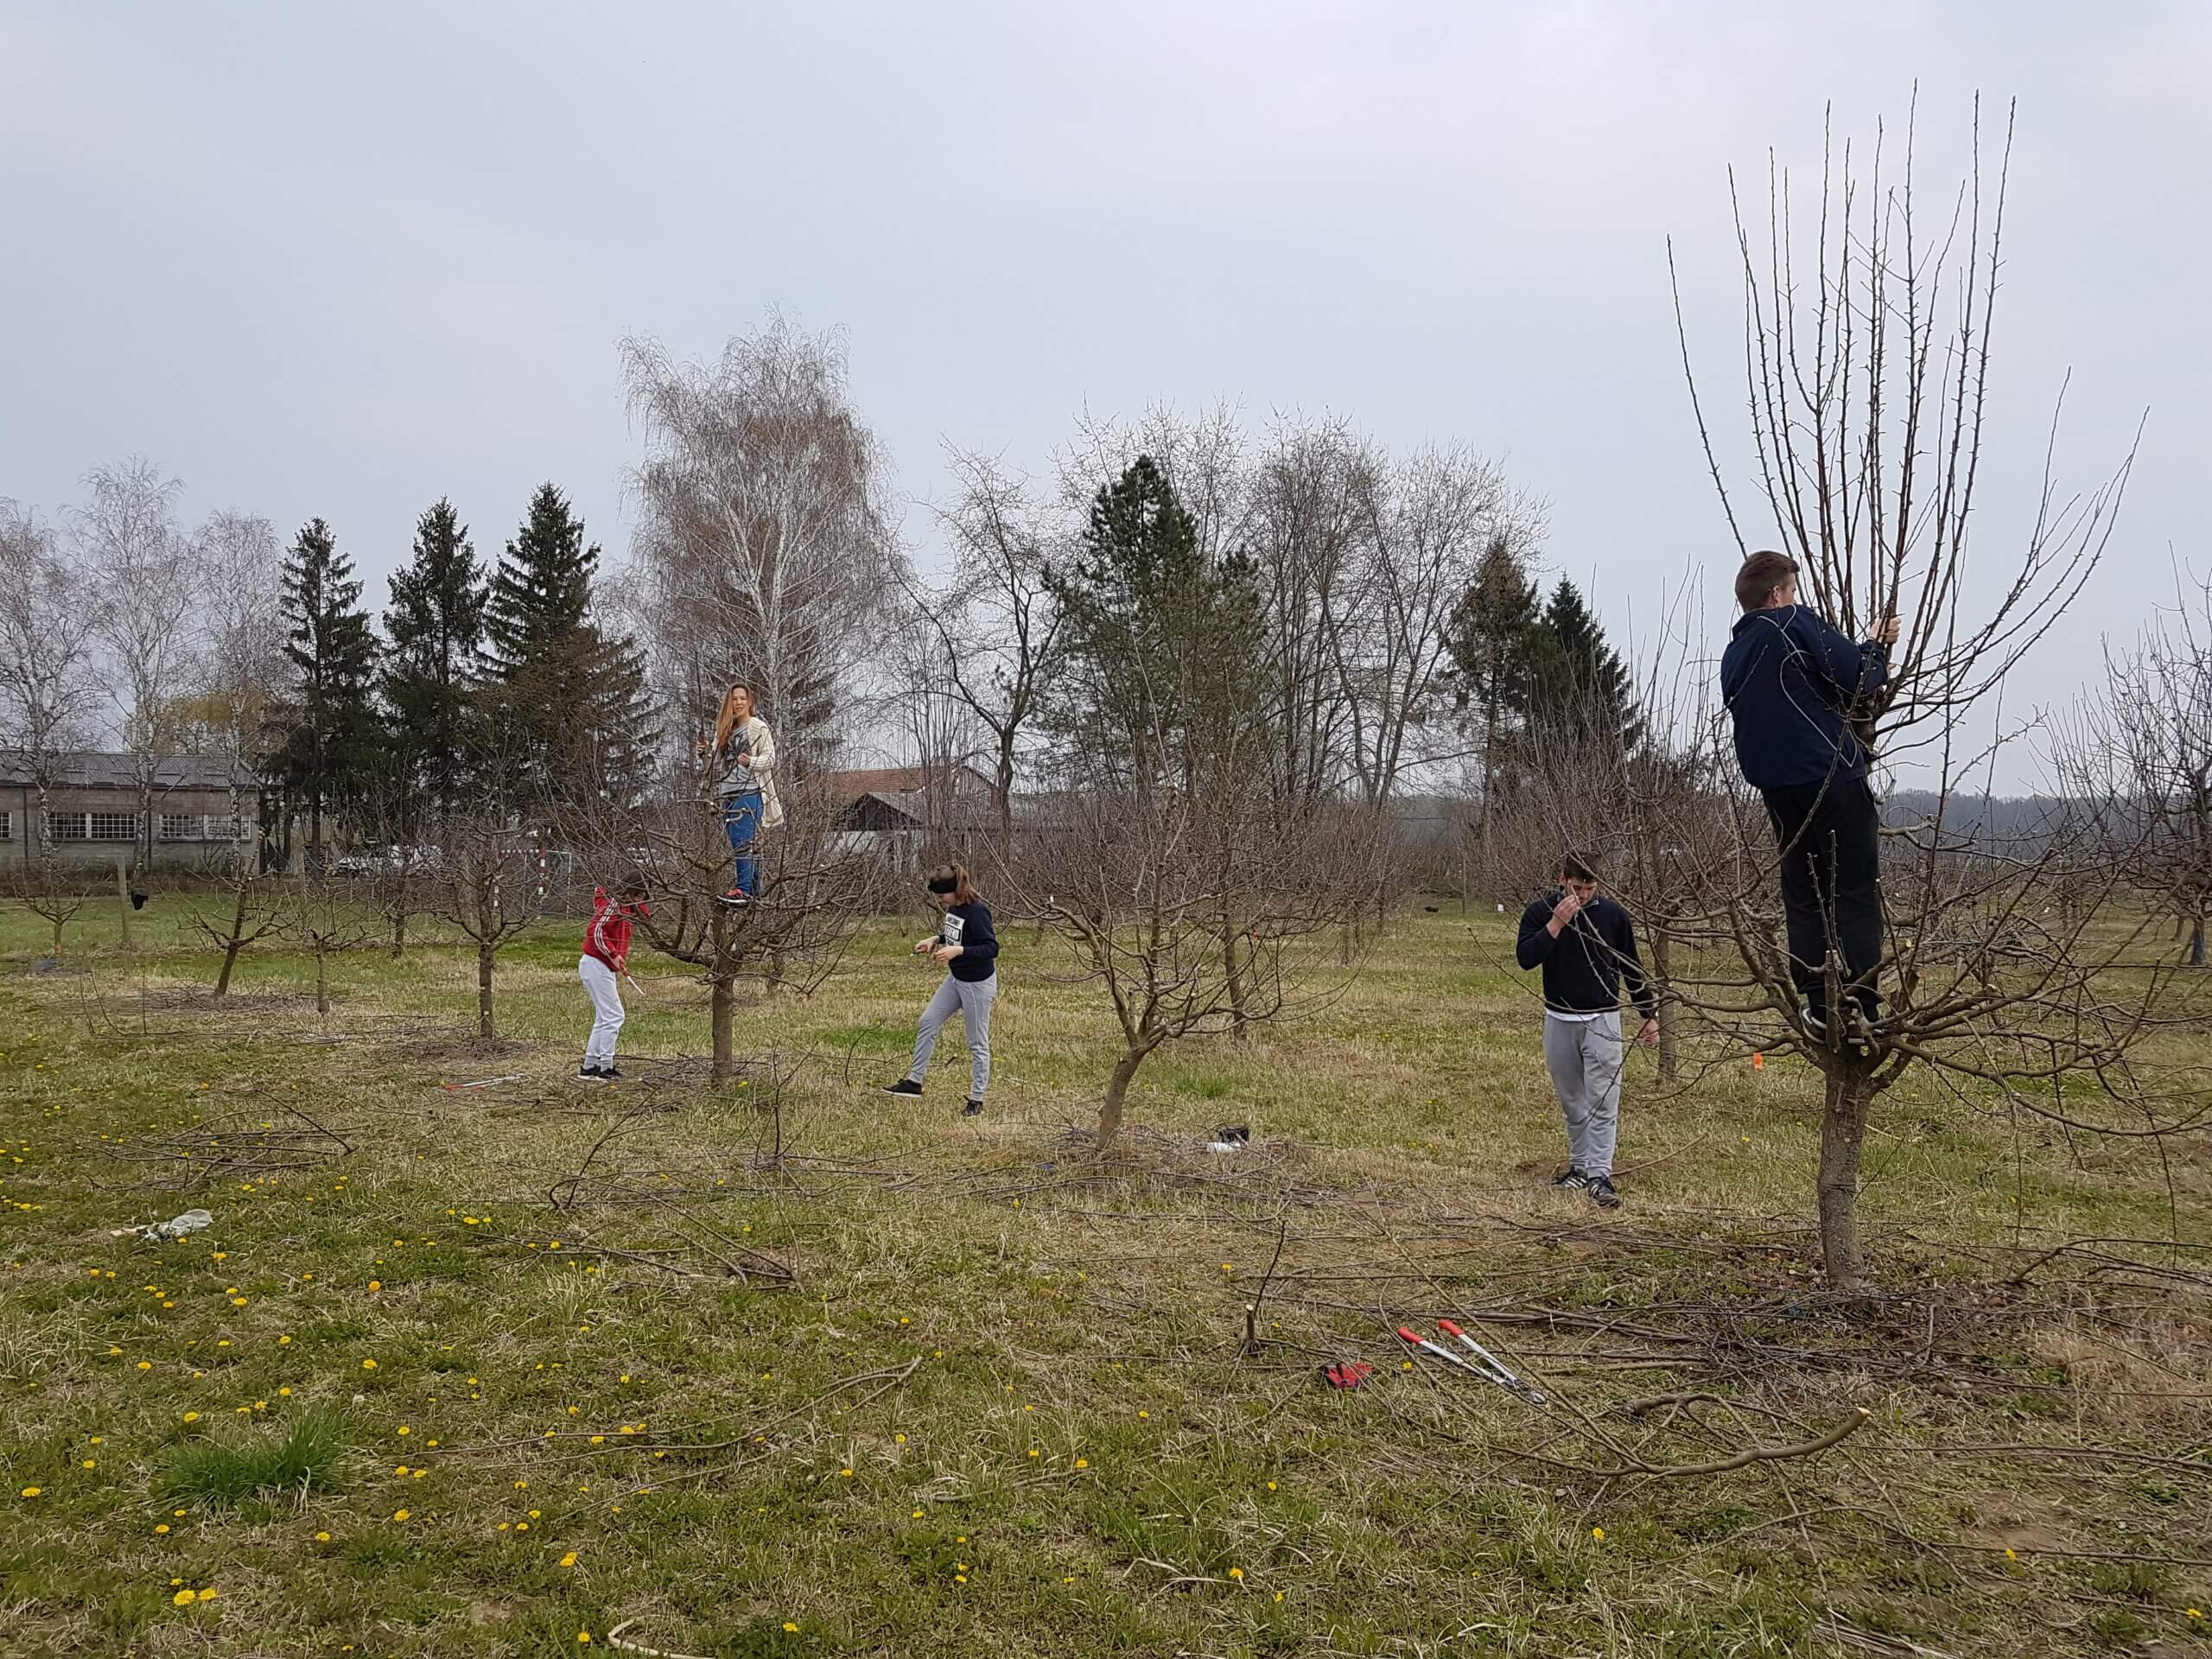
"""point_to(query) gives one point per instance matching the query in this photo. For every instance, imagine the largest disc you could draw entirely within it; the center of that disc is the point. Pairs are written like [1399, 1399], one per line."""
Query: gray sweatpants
[973, 999]
[1586, 1058]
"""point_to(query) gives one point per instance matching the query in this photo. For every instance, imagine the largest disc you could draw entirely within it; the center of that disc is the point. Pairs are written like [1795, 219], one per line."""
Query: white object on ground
[175, 1227]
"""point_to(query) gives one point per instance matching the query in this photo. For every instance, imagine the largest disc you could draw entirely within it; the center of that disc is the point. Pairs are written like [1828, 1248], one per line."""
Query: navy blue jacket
[1790, 682]
[969, 927]
[1585, 965]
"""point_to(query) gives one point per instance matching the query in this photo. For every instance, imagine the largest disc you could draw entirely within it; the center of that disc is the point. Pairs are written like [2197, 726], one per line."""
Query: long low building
[201, 808]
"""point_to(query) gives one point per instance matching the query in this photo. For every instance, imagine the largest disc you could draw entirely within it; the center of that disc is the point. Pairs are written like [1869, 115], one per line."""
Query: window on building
[114, 826]
[223, 826]
[65, 826]
[7, 826]
[181, 826]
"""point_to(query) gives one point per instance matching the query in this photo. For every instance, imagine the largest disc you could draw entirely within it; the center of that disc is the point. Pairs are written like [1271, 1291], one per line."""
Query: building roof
[90, 770]
[889, 782]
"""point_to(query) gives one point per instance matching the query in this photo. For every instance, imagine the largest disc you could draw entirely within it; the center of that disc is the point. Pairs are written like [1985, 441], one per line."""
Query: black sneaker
[1600, 1188]
[903, 1086]
[1574, 1180]
[590, 1074]
[610, 1074]
[973, 1109]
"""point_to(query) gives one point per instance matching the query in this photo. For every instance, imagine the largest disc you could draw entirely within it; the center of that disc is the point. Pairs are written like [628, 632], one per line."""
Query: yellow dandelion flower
[916, 1515]
[845, 1474]
[162, 1527]
[208, 1594]
[191, 1416]
[584, 1637]
[182, 1599]
[1598, 1533]
[322, 1537]
[789, 1625]
[145, 1364]
[1271, 1485]
[1082, 1463]
[368, 1364]
[569, 1560]
[399, 1514]
[1235, 1572]
[90, 1463]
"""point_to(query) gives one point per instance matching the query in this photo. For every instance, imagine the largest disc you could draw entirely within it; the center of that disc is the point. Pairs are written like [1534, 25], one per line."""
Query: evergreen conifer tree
[435, 628]
[567, 703]
[326, 727]
[1578, 680]
[1162, 647]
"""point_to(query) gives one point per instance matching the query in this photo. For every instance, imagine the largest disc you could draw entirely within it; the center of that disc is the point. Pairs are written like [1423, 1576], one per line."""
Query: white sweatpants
[606, 1010]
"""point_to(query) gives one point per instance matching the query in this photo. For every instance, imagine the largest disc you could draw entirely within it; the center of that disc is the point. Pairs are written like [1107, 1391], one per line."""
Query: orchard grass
[399, 1399]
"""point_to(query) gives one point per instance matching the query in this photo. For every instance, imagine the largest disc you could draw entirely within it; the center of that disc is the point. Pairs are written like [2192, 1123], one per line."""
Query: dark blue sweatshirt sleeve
[1850, 668]
[1536, 940]
[1632, 974]
[978, 941]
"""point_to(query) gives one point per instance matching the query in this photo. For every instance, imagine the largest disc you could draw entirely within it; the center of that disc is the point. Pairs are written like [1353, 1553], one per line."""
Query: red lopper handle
[1449, 1329]
[1409, 1335]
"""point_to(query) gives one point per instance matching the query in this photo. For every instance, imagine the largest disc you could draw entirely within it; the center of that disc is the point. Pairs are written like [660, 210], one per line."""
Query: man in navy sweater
[1793, 685]
[1586, 945]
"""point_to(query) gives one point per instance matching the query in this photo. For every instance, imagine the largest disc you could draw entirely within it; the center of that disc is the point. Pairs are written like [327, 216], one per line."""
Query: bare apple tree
[2140, 748]
[993, 634]
[484, 880]
[1866, 359]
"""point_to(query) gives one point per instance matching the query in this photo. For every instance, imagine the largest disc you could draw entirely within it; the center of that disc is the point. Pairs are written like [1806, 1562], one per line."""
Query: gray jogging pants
[1585, 1058]
[973, 999]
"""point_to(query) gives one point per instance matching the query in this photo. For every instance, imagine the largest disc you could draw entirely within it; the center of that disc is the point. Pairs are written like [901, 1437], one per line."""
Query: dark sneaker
[903, 1086]
[610, 1074]
[973, 1109]
[1602, 1194]
[1574, 1180]
[590, 1074]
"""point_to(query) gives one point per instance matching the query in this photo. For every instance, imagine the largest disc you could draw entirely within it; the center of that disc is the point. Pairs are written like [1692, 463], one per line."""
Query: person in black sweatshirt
[1585, 944]
[965, 943]
[1793, 685]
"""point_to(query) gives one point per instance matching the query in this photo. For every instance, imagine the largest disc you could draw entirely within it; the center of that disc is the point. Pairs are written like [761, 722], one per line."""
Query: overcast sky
[345, 260]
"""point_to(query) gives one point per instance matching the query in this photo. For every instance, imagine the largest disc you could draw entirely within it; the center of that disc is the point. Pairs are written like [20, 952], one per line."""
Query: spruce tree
[1161, 673]
[566, 703]
[435, 628]
[326, 727]
[1578, 682]
[1494, 638]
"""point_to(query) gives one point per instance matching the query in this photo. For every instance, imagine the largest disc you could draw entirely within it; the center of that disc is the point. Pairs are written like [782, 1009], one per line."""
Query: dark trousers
[1829, 835]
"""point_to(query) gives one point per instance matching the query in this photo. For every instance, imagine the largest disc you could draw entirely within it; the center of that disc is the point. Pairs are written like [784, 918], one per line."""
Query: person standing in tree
[1794, 685]
[1586, 945]
[744, 747]
[965, 943]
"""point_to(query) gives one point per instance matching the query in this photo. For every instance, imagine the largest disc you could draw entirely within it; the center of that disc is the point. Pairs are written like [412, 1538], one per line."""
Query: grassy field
[534, 1368]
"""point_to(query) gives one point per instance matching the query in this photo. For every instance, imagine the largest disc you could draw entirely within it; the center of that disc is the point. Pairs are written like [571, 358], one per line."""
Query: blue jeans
[741, 819]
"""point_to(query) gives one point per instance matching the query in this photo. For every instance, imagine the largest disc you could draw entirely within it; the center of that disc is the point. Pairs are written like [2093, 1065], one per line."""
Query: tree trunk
[57, 937]
[123, 893]
[1843, 1132]
[486, 1026]
[1239, 1027]
[2196, 943]
[721, 1020]
[398, 934]
[322, 982]
[232, 945]
[1118, 1087]
[1662, 948]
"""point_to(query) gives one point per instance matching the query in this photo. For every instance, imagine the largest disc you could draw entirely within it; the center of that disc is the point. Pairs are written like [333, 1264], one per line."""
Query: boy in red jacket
[607, 953]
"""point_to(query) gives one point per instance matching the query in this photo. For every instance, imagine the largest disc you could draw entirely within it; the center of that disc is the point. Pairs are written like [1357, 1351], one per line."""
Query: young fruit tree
[1867, 364]
[2140, 748]
[812, 891]
[1180, 882]
[483, 880]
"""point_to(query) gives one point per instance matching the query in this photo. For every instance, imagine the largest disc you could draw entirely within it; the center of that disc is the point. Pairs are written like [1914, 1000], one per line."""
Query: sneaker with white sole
[590, 1074]
[905, 1086]
[1600, 1188]
[1573, 1181]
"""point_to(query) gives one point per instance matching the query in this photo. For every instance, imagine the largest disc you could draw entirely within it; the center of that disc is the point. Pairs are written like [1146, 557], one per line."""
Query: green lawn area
[790, 1369]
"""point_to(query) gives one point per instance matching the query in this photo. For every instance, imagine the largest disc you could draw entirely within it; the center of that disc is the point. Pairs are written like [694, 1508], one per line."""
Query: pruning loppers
[1486, 1366]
